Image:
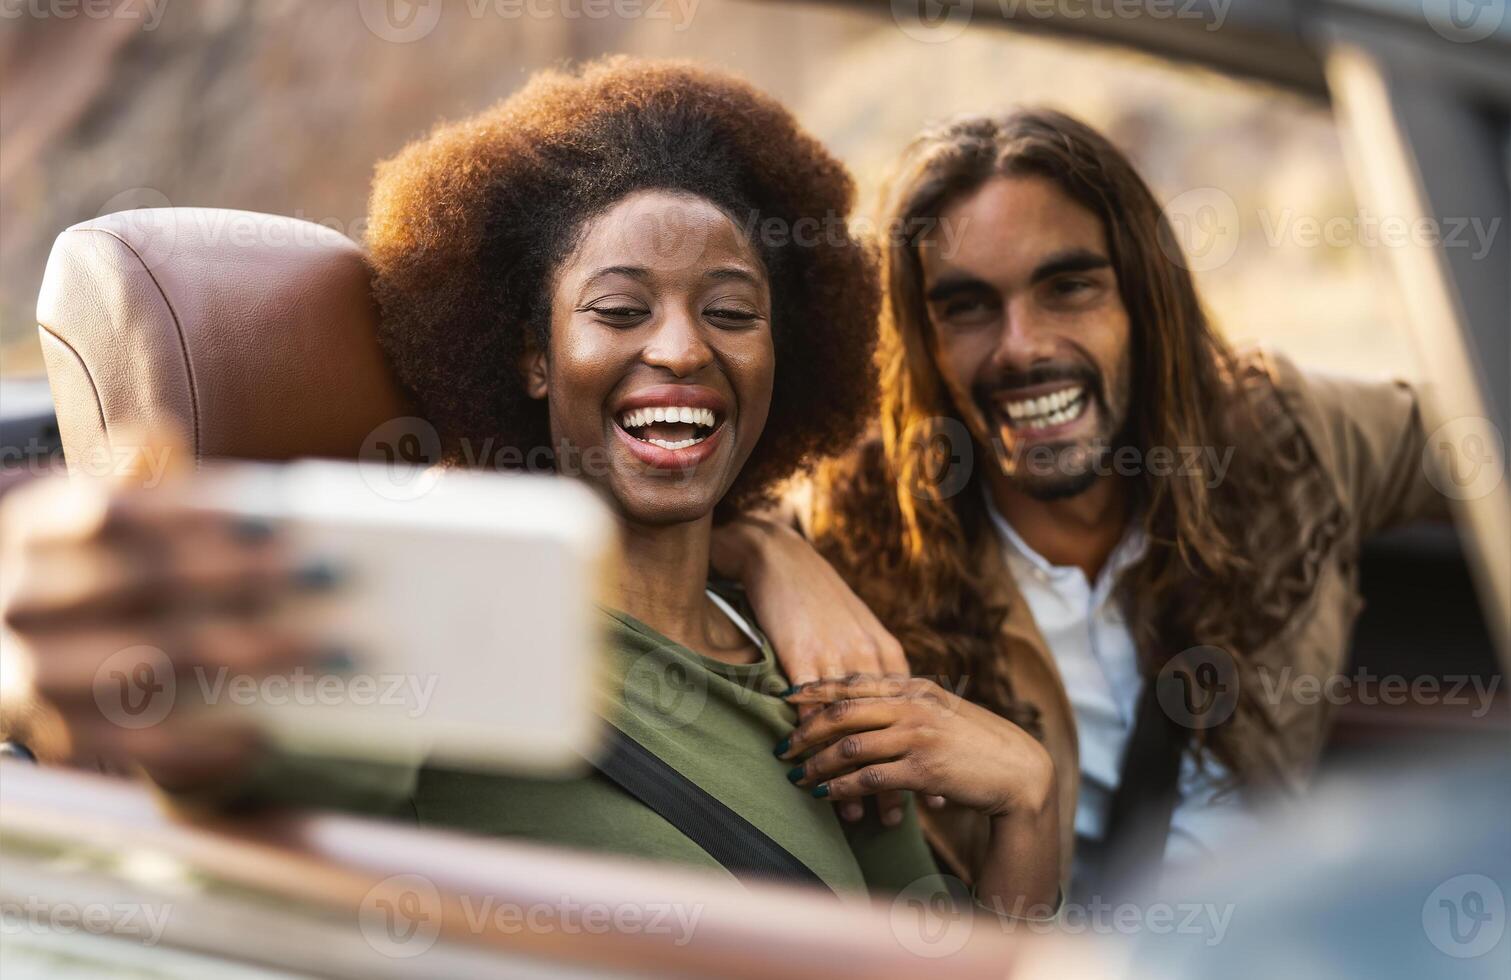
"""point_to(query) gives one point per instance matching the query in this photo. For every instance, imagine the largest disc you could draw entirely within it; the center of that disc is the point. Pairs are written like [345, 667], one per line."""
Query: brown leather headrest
[254, 334]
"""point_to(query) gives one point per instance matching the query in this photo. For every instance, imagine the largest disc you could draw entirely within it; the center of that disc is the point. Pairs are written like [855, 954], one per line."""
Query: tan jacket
[1361, 449]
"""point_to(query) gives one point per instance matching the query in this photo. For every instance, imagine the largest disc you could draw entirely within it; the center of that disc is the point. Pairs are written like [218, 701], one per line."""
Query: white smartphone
[461, 608]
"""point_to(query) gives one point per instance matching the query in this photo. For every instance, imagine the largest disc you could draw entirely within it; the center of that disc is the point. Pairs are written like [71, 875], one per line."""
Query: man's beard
[1048, 471]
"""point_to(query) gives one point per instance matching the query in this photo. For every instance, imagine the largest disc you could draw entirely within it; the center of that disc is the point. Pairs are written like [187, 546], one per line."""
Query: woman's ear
[532, 364]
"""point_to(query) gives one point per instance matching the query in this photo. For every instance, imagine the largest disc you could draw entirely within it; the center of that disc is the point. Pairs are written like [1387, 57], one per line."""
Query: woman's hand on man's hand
[874, 735]
[818, 626]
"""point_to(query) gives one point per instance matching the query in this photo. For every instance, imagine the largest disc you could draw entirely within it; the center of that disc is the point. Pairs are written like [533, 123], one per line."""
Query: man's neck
[1079, 531]
[662, 582]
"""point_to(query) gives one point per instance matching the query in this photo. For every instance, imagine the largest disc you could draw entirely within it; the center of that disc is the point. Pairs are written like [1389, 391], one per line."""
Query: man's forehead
[1003, 230]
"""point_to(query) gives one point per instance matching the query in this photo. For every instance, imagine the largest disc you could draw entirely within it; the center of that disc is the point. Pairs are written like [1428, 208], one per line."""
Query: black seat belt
[1138, 823]
[737, 844]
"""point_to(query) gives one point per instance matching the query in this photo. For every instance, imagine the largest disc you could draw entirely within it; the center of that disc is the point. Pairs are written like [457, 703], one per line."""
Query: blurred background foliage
[285, 105]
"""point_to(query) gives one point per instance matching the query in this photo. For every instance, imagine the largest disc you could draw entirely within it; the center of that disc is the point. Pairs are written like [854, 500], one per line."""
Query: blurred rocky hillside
[283, 106]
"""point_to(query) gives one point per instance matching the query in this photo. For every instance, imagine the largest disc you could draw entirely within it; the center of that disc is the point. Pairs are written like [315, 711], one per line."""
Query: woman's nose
[678, 344]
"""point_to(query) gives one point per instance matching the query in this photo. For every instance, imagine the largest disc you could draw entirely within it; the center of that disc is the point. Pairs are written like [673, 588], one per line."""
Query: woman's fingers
[873, 779]
[84, 665]
[855, 686]
[199, 559]
[849, 753]
[839, 719]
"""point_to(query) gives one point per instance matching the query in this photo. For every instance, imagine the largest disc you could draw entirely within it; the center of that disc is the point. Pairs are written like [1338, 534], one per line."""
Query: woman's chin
[659, 506]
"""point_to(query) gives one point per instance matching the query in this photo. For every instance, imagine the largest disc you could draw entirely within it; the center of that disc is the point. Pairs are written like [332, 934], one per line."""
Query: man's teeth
[1055, 408]
[635, 418]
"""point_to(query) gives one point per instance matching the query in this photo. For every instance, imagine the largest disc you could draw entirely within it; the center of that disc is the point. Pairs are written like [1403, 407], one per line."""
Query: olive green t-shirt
[715, 723]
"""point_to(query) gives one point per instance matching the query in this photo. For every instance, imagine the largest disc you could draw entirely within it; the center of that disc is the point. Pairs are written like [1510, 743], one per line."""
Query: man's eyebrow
[1071, 260]
[953, 286]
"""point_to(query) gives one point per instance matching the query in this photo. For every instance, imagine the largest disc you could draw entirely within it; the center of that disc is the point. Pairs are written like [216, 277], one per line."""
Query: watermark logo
[664, 691]
[1204, 229]
[1198, 687]
[150, 239]
[400, 21]
[1465, 459]
[946, 457]
[1464, 21]
[929, 923]
[932, 21]
[400, 916]
[1465, 916]
[398, 458]
[135, 687]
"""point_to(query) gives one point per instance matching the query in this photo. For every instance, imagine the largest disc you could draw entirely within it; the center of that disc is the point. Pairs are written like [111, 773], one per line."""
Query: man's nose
[1026, 339]
[678, 344]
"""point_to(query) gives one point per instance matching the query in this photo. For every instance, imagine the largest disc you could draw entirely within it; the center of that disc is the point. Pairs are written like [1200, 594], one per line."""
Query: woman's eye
[620, 314]
[734, 315]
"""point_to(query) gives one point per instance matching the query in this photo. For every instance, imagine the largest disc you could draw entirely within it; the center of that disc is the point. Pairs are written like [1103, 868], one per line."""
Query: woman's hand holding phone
[116, 596]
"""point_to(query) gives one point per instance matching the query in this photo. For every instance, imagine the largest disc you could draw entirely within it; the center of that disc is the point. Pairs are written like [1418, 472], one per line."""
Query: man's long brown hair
[891, 517]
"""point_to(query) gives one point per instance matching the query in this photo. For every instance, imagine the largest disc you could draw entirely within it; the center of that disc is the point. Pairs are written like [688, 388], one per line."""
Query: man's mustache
[989, 392]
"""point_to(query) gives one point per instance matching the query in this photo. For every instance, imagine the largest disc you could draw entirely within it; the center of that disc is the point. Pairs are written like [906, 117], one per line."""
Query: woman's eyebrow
[638, 273]
[727, 273]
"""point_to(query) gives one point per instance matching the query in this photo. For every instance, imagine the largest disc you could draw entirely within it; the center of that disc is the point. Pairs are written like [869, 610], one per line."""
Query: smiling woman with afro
[467, 226]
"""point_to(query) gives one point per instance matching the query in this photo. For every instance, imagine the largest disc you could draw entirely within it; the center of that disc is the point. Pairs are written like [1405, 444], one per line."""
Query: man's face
[1032, 335]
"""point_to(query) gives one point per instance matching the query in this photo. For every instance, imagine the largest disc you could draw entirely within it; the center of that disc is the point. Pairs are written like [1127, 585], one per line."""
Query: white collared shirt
[1094, 650]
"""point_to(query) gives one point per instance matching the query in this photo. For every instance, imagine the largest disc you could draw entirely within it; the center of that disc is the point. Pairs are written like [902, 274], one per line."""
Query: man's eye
[1072, 287]
[967, 310]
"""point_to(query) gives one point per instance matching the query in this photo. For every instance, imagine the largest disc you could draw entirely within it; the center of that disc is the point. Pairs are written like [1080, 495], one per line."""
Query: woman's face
[659, 369]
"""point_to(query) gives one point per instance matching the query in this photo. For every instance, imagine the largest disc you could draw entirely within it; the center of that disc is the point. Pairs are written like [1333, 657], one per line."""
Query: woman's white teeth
[669, 444]
[637, 417]
[1055, 408]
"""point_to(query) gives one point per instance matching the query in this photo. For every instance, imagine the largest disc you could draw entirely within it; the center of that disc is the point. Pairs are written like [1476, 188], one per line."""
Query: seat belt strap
[737, 844]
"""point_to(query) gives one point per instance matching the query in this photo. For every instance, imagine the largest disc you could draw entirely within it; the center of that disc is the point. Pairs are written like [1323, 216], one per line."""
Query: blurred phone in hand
[457, 609]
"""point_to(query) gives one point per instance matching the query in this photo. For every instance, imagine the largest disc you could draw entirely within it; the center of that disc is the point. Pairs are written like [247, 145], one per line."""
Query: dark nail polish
[782, 747]
[251, 530]
[795, 773]
[821, 790]
[792, 690]
[316, 576]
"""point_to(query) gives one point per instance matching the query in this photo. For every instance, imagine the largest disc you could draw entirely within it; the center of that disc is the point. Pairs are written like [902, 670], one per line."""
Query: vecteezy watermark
[938, 21]
[1465, 458]
[149, 12]
[142, 920]
[302, 687]
[1364, 687]
[931, 924]
[406, 21]
[1465, 916]
[35, 458]
[402, 917]
[1464, 21]
[138, 686]
[147, 230]
[1379, 231]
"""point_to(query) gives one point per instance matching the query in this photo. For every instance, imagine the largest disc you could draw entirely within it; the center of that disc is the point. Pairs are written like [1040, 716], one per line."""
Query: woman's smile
[672, 426]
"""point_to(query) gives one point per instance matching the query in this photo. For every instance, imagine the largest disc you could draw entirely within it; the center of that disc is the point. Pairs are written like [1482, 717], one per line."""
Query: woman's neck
[662, 582]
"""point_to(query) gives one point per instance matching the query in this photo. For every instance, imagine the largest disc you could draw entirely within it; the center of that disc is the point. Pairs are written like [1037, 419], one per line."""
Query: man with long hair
[1085, 511]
